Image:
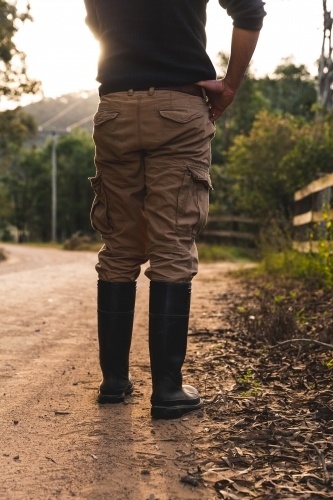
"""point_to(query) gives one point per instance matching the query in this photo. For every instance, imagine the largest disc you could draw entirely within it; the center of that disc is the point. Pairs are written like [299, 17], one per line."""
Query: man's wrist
[231, 84]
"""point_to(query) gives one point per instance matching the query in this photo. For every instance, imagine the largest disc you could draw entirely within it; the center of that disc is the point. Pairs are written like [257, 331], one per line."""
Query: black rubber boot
[115, 324]
[169, 311]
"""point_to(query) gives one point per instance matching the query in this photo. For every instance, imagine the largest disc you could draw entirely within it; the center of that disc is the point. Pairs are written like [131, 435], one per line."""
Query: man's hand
[221, 93]
[220, 96]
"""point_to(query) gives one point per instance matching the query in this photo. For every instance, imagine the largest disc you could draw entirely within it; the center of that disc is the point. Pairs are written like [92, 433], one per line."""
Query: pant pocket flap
[180, 116]
[104, 116]
[200, 174]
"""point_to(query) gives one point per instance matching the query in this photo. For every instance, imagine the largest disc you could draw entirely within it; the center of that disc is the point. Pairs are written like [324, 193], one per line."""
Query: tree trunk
[325, 77]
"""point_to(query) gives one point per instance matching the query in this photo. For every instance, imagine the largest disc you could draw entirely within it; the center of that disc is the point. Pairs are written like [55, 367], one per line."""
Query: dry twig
[323, 463]
[306, 341]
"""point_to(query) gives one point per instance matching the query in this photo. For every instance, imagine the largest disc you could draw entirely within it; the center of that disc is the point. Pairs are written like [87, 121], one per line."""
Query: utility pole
[54, 186]
[325, 76]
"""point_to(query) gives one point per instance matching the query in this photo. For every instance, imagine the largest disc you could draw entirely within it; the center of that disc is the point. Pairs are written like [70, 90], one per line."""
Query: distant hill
[76, 109]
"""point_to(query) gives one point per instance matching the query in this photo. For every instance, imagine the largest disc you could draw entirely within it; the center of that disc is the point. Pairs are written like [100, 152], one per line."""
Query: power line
[59, 115]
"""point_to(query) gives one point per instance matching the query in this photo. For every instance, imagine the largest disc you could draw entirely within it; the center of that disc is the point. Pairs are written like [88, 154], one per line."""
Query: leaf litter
[268, 413]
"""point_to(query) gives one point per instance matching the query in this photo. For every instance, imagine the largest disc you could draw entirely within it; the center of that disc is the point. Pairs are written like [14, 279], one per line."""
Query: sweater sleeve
[246, 14]
[92, 19]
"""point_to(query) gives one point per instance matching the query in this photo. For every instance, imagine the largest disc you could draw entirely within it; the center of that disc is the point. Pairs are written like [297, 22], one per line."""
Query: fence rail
[233, 233]
[311, 213]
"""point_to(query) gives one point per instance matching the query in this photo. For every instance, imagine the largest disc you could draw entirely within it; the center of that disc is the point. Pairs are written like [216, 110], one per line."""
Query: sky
[62, 53]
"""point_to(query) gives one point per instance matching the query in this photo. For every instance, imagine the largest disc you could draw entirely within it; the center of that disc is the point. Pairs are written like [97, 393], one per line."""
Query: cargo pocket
[103, 116]
[99, 208]
[193, 201]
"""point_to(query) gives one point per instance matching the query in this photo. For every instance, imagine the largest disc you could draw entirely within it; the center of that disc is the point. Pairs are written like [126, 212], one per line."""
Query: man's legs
[171, 132]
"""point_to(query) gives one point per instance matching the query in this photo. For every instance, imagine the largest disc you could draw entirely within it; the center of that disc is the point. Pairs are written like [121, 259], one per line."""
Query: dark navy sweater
[158, 43]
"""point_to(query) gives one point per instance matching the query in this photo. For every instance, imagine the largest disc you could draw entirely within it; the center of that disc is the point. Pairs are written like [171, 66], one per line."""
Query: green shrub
[81, 241]
[280, 260]
[317, 269]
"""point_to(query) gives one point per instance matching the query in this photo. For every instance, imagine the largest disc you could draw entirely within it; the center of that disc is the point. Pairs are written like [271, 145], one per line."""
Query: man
[152, 133]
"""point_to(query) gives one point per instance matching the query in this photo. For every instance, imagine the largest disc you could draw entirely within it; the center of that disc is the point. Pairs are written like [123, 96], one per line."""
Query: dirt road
[56, 441]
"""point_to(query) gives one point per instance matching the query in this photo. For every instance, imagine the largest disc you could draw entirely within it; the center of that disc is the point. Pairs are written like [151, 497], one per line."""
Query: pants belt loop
[130, 92]
[151, 91]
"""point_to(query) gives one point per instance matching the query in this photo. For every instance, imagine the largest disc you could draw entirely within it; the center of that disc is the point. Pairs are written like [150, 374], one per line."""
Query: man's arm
[92, 19]
[221, 93]
[248, 19]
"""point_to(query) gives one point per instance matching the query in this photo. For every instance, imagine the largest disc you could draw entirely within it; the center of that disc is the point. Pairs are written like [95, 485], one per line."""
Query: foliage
[28, 187]
[14, 81]
[16, 127]
[28, 190]
[313, 150]
[260, 183]
[291, 89]
[315, 269]
[280, 261]
[80, 241]
[238, 118]
[75, 164]
[266, 167]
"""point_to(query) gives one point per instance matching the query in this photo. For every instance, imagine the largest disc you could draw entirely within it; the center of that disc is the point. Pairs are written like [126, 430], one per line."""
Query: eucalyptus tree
[325, 76]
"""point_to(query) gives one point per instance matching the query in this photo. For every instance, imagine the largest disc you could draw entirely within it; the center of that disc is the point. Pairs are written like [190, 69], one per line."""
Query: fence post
[313, 210]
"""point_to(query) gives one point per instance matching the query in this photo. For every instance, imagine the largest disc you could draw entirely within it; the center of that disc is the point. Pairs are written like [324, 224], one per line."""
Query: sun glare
[61, 51]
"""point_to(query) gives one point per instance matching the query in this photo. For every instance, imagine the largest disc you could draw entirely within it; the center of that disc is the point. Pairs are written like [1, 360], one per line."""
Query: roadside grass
[41, 244]
[82, 243]
[279, 261]
[314, 269]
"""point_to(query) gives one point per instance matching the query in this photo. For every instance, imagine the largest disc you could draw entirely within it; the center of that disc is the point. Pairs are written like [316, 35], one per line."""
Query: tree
[28, 191]
[291, 89]
[239, 117]
[325, 76]
[279, 155]
[27, 187]
[75, 153]
[16, 127]
[259, 185]
[14, 81]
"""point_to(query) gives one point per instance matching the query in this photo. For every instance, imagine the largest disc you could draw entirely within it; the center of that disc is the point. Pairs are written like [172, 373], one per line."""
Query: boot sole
[168, 413]
[113, 399]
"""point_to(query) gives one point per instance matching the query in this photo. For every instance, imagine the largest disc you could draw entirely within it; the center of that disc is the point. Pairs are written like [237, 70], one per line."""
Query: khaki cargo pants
[152, 183]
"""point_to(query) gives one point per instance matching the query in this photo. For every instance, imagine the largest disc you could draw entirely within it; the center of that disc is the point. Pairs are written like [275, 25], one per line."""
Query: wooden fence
[312, 210]
[233, 233]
